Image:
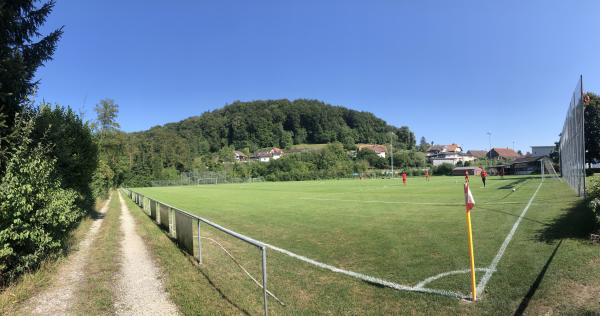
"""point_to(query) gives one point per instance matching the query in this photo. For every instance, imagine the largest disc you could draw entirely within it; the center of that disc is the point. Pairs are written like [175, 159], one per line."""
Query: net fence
[200, 178]
[572, 143]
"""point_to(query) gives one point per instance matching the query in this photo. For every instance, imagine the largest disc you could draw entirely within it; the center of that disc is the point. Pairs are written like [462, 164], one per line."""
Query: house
[502, 154]
[539, 151]
[453, 153]
[377, 149]
[437, 149]
[268, 154]
[450, 157]
[477, 153]
[240, 156]
[460, 171]
[527, 165]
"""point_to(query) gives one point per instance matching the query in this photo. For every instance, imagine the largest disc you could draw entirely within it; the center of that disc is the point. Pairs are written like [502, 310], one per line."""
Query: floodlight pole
[490, 152]
[392, 153]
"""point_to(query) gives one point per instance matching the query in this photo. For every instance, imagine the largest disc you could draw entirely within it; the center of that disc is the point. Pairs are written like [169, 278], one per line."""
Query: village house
[502, 154]
[380, 150]
[268, 155]
[240, 156]
[452, 154]
[477, 153]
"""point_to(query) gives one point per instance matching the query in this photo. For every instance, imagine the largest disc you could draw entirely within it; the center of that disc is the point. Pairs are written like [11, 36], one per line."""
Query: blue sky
[450, 70]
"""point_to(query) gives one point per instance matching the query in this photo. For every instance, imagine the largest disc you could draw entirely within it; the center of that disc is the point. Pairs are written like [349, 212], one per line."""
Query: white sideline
[492, 267]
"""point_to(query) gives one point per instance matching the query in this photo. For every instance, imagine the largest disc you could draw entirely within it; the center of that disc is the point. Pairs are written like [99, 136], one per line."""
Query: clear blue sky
[450, 70]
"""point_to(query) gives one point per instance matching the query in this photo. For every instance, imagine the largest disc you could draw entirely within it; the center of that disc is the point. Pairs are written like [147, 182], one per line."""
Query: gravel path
[139, 289]
[58, 298]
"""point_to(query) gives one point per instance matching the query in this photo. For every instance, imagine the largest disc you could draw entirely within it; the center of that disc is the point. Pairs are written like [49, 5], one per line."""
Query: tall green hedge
[36, 214]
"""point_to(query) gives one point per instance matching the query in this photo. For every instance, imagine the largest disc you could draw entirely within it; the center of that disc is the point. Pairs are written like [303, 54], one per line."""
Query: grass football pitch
[413, 235]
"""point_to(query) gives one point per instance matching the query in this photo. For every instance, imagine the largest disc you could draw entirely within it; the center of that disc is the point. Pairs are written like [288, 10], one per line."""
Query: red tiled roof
[506, 152]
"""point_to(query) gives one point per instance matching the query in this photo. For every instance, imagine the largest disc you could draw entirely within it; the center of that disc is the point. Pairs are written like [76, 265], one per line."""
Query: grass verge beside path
[187, 285]
[36, 281]
[95, 296]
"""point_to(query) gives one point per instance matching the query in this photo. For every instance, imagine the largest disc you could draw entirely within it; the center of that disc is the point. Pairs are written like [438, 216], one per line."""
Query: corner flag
[469, 201]
[469, 204]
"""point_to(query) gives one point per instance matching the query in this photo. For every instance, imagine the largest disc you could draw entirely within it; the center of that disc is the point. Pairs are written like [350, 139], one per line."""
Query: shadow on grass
[536, 284]
[513, 183]
[193, 261]
[577, 223]
[495, 210]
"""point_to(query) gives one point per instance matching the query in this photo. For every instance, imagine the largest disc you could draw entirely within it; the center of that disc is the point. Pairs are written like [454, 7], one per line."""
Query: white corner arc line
[368, 278]
[492, 267]
[445, 274]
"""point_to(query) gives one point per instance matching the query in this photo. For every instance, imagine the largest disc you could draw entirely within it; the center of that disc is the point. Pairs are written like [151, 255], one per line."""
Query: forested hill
[281, 123]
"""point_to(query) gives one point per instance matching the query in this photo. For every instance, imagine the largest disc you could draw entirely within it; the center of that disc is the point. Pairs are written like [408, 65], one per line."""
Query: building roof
[528, 159]
[378, 149]
[506, 152]
[477, 153]
[453, 147]
[437, 148]
[239, 154]
[466, 168]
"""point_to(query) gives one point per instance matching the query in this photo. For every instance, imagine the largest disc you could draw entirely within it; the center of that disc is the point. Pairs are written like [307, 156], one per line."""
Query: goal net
[572, 143]
[547, 169]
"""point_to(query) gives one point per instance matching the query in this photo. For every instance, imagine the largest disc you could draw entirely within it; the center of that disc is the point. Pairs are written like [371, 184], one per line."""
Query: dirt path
[139, 290]
[58, 298]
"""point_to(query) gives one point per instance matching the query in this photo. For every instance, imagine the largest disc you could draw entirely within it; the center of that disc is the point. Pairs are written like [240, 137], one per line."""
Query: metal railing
[184, 239]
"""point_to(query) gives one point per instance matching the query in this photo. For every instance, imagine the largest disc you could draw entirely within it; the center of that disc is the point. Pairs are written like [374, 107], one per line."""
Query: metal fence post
[199, 245]
[264, 280]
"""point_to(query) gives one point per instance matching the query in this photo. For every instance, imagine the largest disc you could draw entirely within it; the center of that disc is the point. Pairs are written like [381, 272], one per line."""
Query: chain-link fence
[200, 178]
[572, 143]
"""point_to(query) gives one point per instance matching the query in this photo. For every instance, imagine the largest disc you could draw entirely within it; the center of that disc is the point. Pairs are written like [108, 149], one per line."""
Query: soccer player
[427, 174]
[483, 175]
[404, 177]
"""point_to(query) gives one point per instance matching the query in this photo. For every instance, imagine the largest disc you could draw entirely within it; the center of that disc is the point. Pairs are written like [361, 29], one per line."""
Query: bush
[36, 214]
[443, 169]
[593, 193]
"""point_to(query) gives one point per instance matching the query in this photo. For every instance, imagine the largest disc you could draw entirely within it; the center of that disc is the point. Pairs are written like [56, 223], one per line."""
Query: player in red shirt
[483, 176]
[404, 177]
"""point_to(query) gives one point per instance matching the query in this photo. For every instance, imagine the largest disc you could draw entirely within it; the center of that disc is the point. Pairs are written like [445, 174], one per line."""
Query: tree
[592, 129]
[107, 111]
[22, 51]
[423, 145]
[72, 145]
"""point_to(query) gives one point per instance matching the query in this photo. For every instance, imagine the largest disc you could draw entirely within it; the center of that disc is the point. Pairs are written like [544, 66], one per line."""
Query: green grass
[96, 294]
[401, 234]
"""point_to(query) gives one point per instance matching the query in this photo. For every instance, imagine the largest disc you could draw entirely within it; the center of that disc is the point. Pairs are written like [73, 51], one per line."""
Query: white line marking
[445, 274]
[494, 264]
[368, 278]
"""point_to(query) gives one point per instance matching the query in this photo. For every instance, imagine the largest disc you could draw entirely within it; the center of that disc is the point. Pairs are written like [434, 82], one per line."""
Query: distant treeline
[206, 141]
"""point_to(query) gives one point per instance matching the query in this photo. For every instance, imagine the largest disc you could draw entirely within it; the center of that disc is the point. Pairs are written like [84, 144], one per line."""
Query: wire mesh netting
[572, 143]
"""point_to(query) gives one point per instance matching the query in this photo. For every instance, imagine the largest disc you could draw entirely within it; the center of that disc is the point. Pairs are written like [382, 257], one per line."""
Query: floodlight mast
[392, 153]
[490, 152]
